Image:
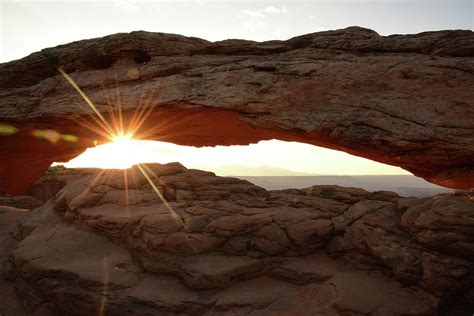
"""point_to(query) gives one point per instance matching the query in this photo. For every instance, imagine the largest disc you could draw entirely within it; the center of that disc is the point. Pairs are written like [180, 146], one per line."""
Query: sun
[121, 153]
[122, 139]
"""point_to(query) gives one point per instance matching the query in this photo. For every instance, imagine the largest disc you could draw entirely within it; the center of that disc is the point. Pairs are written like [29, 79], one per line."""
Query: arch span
[404, 100]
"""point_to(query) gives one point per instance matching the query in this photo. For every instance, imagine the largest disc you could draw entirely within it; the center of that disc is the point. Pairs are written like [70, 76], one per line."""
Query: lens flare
[7, 130]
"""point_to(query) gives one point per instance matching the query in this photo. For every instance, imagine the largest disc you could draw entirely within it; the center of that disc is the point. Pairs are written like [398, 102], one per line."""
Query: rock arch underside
[404, 100]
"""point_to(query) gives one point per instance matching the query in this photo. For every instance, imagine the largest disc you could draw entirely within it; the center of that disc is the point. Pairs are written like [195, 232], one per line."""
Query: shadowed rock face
[230, 247]
[54, 180]
[405, 100]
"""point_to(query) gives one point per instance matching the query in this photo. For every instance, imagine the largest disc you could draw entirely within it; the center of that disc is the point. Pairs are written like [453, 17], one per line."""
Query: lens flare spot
[69, 138]
[47, 134]
[7, 129]
[38, 133]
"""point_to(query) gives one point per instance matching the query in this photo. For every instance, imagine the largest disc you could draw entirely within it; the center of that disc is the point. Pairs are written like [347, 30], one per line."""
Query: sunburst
[122, 142]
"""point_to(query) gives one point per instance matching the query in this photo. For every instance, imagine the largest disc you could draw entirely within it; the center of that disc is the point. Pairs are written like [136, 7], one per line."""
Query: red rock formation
[231, 247]
[404, 100]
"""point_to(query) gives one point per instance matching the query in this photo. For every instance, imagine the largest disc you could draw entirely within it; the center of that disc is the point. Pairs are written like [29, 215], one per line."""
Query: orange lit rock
[404, 100]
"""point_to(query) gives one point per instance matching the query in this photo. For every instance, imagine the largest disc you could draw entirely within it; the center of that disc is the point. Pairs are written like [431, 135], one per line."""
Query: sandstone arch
[405, 100]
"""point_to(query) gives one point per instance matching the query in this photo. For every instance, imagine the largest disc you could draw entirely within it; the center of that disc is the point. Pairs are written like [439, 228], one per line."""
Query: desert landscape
[150, 238]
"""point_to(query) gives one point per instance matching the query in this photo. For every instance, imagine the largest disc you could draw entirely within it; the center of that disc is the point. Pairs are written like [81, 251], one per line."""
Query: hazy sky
[29, 26]
[291, 156]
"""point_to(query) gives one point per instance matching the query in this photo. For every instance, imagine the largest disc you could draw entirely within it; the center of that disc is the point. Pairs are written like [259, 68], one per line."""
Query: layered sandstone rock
[222, 246]
[54, 180]
[10, 234]
[20, 202]
[404, 100]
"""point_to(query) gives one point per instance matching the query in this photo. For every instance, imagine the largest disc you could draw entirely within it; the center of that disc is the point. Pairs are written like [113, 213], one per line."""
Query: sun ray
[119, 105]
[165, 126]
[176, 217]
[110, 104]
[99, 123]
[86, 98]
[112, 119]
[105, 288]
[98, 130]
[141, 114]
[115, 116]
[174, 214]
[116, 133]
[94, 180]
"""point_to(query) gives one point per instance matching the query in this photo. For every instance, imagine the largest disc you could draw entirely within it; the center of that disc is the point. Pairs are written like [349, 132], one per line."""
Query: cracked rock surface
[404, 100]
[223, 246]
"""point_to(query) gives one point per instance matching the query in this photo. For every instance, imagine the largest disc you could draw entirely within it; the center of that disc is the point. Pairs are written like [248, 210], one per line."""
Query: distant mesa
[260, 171]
